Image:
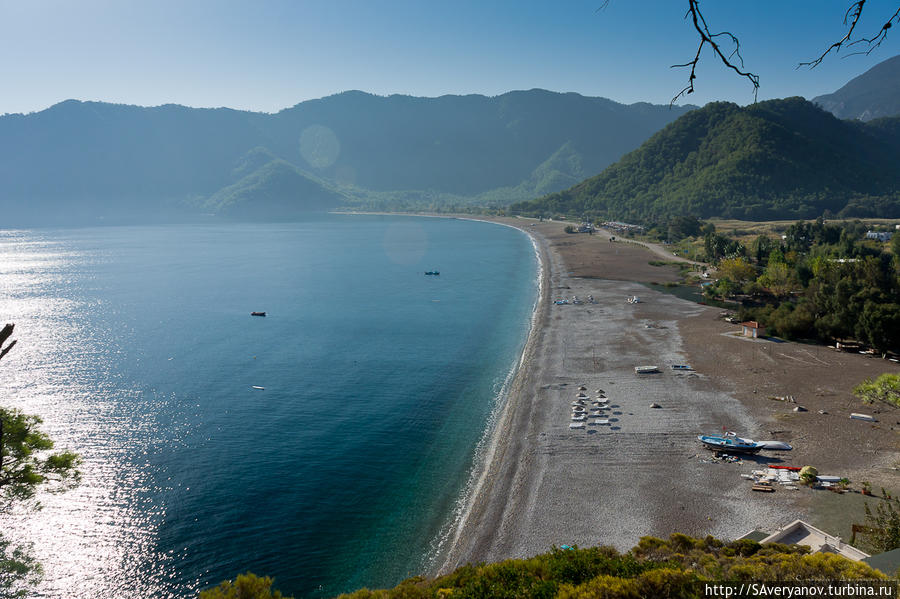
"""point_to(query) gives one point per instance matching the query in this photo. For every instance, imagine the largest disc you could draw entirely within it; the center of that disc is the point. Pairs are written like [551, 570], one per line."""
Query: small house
[799, 532]
[753, 329]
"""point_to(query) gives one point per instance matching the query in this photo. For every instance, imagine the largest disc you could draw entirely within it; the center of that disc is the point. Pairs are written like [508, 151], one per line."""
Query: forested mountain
[772, 160]
[874, 94]
[85, 161]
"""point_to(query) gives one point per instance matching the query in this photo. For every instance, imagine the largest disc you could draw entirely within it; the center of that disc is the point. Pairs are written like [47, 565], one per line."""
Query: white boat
[645, 369]
[777, 445]
[576, 425]
[257, 387]
[865, 417]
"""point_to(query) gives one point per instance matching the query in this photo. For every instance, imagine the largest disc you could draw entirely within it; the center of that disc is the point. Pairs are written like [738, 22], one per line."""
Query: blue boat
[730, 443]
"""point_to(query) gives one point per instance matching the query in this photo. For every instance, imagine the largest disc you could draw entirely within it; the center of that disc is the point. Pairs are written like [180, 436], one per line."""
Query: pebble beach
[642, 472]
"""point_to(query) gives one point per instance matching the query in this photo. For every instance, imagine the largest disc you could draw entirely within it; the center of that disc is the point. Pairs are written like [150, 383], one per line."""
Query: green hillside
[773, 160]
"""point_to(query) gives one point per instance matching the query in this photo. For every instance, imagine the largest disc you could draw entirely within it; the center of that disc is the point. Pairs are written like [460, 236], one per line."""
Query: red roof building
[753, 329]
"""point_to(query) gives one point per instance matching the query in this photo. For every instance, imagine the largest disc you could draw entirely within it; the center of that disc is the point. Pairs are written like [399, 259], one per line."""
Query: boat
[774, 445]
[257, 314]
[258, 388]
[432, 272]
[633, 299]
[645, 369]
[681, 367]
[729, 443]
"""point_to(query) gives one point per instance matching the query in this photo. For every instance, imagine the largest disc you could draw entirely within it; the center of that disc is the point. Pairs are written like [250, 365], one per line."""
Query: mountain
[772, 160]
[874, 94]
[276, 190]
[82, 162]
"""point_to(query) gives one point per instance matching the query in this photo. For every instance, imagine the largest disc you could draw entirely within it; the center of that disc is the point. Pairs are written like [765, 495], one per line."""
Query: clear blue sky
[265, 55]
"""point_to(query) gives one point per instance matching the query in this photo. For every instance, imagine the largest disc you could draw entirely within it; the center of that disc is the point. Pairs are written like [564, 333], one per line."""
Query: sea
[329, 444]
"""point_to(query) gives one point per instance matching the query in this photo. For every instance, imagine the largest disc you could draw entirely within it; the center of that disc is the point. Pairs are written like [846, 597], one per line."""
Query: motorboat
[730, 443]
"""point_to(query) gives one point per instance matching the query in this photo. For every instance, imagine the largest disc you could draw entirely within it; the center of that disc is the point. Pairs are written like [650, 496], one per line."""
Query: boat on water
[257, 314]
[432, 272]
[730, 443]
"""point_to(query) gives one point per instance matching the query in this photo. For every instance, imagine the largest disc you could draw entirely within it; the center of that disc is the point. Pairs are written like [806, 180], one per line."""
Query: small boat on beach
[729, 443]
[645, 369]
[257, 314]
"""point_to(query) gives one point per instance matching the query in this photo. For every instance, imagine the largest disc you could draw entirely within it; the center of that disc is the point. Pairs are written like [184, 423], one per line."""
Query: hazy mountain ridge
[88, 160]
[776, 159]
[872, 95]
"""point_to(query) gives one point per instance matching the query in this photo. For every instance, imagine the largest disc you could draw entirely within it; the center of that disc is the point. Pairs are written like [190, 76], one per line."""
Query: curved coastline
[542, 484]
[535, 483]
[495, 451]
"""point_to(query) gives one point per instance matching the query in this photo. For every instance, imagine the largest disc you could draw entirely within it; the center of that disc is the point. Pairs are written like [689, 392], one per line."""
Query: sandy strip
[644, 473]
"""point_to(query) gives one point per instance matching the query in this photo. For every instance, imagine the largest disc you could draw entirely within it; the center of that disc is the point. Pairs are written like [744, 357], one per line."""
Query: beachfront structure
[753, 329]
[799, 532]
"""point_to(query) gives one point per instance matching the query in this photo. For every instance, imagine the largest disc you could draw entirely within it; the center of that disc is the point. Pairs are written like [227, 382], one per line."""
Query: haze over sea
[137, 347]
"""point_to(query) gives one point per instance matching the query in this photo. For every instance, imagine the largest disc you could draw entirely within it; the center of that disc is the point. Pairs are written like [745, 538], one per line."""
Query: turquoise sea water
[137, 347]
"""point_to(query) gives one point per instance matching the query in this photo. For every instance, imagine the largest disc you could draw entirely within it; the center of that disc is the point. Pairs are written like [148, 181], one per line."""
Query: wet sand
[644, 473]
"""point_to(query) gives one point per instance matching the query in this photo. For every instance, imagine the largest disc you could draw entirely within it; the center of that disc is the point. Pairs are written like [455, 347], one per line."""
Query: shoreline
[541, 484]
[479, 485]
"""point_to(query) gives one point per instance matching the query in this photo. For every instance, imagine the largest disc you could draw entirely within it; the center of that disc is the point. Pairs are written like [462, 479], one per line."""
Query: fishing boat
[729, 443]
[432, 273]
[257, 314]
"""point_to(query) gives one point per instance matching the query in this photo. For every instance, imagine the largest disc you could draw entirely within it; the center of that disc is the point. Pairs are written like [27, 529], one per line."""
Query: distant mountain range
[772, 160]
[86, 162]
[872, 95]
[90, 162]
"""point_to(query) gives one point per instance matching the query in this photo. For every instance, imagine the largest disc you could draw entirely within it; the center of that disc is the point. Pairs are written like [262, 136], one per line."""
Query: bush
[885, 388]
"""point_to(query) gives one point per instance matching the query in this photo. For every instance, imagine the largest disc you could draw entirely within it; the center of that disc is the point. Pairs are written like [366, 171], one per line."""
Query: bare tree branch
[853, 15]
[707, 37]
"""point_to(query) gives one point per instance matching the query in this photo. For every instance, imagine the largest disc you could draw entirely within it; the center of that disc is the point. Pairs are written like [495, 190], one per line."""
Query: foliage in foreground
[18, 570]
[245, 586]
[27, 463]
[654, 568]
[885, 388]
[884, 526]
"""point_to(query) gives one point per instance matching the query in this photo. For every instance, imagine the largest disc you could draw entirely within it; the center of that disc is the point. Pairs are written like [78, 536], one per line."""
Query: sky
[266, 55]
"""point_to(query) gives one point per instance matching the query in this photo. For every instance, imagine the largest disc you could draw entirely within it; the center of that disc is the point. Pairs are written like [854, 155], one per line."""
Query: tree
[18, 570]
[779, 279]
[737, 269]
[245, 586]
[885, 388]
[880, 324]
[26, 465]
[883, 526]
